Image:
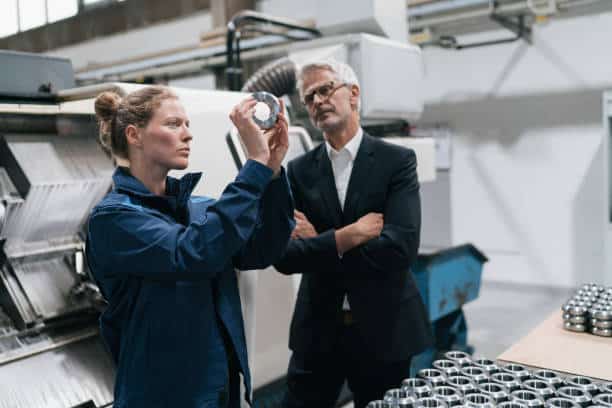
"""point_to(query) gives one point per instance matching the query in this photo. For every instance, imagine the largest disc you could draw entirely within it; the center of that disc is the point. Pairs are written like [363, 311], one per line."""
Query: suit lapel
[327, 187]
[360, 176]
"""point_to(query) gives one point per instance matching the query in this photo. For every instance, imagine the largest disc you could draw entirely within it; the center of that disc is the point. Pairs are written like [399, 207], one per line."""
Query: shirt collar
[352, 146]
[181, 188]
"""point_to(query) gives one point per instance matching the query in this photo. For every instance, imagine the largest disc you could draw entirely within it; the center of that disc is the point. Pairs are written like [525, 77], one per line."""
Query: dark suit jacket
[376, 276]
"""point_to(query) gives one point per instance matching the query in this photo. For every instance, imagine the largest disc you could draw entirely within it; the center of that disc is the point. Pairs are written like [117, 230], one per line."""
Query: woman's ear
[133, 136]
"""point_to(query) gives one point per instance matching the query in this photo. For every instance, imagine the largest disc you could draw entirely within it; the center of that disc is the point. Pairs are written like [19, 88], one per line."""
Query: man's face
[331, 107]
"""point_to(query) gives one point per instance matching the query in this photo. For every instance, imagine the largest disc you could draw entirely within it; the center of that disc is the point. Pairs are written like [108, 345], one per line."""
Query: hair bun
[106, 105]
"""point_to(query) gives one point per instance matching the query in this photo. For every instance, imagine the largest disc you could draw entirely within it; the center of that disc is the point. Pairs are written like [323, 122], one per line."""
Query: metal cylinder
[578, 395]
[496, 391]
[517, 369]
[560, 402]
[544, 389]
[475, 373]
[510, 381]
[604, 399]
[478, 401]
[378, 404]
[511, 404]
[434, 376]
[430, 402]
[549, 376]
[400, 398]
[584, 383]
[448, 367]
[488, 365]
[448, 394]
[527, 397]
[418, 387]
[463, 383]
[459, 357]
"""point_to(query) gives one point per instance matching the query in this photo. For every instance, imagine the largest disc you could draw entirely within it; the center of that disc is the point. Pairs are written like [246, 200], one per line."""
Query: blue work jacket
[165, 264]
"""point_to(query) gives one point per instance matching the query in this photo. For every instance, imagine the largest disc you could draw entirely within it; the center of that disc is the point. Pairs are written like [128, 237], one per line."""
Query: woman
[164, 260]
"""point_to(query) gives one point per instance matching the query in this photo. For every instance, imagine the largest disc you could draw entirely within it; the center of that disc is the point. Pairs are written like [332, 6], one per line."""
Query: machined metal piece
[606, 388]
[549, 376]
[478, 400]
[476, 373]
[497, 392]
[601, 324]
[511, 404]
[604, 399]
[579, 328]
[460, 357]
[510, 381]
[433, 375]
[544, 389]
[584, 383]
[578, 310]
[574, 319]
[463, 383]
[517, 369]
[488, 365]
[273, 109]
[448, 367]
[560, 402]
[379, 404]
[400, 398]
[448, 394]
[578, 395]
[602, 314]
[430, 402]
[601, 332]
[527, 397]
[418, 387]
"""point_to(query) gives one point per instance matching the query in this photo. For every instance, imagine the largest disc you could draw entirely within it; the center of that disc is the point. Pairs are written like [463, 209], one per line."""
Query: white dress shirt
[342, 165]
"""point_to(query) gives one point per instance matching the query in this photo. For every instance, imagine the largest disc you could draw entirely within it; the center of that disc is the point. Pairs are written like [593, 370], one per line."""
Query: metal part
[584, 383]
[497, 392]
[266, 120]
[549, 376]
[574, 319]
[477, 374]
[518, 370]
[399, 398]
[601, 332]
[448, 367]
[488, 365]
[511, 404]
[579, 328]
[478, 401]
[379, 404]
[463, 383]
[430, 402]
[450, 395]
[604, 399]
[460, 357]
[544, 389]
[560, 402]
[578, 395]
[602, 314]
[606, 388]
[434, 376]
[510, 381]
[418, 387]
[527, 397]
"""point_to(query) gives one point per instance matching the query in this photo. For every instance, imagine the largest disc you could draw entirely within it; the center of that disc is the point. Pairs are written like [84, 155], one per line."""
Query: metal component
[379, 404]
[578, 310]
[434, 376]
[605, 388]
[265, 120]
[603, 399]
[518, 370]
[459, 357]
[584, 383]
[450, 395]
[560, 402]
[399, 398]
[601, 332]
[463, 383]
[448, 367]
[496, 391]
[479, 401]
[574, 319]
[510, 381]
[418, 387]
[544, 389]
[549, 376]
[526, 397]
[578, 395]
[579, 328]
[430, 402]
[475, 373]
[511, 404]
[602, 314]
[488, 365]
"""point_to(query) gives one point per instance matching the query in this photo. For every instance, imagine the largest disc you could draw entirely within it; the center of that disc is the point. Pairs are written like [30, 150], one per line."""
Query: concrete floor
[504, 313]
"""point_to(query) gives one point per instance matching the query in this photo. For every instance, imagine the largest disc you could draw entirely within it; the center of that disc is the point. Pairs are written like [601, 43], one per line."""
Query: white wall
[528, 177]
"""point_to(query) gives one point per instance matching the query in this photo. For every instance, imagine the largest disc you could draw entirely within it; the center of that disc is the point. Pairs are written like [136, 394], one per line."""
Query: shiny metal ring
[602, 314]
[511, 404]
[378, 404]
[399, 398]
[273, 104]
[517, 369]
[584, 383]
[430, 402]
[433, 375]
[549, 376]
[579, 328]
[510, 381]
[527, 397]
[574, 319]
[488, 365]
[448, 394]
[606, 388]
[418, 387]
[560, 402]
[578, 310]
[601, 332]
[541, 387]
[475, 373]
[496, 391]
[602, 324]
[460, 357]
[463, 383]
[448, 367]
[478, 401]
[603, 399]
[578, 395]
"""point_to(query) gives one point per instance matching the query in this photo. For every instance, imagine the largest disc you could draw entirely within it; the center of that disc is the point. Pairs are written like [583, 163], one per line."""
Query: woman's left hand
[278, 141]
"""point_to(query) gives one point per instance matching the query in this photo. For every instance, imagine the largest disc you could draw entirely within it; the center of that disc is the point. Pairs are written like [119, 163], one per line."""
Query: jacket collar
[180, 189]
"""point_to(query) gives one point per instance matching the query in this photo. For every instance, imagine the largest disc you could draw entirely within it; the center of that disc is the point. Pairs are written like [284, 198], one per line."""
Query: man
[359, 316]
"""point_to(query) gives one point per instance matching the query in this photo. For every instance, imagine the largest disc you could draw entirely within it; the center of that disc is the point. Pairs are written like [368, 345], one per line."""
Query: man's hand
[303, 227]
[361, 231]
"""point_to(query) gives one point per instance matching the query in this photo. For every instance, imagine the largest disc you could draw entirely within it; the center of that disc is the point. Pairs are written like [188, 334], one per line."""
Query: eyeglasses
[324, 91]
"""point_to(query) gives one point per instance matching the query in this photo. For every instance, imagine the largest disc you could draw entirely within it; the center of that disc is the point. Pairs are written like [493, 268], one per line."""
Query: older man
[358, 316]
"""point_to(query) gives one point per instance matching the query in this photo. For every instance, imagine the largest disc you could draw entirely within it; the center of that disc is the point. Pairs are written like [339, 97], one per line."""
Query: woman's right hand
[253, 138]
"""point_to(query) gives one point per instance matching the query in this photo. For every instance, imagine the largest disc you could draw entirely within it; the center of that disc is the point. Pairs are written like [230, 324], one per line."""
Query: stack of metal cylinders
[589, 310]
[458, 381]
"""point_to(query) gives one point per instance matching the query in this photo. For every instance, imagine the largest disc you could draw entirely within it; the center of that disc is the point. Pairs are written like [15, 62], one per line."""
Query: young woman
[164, 259]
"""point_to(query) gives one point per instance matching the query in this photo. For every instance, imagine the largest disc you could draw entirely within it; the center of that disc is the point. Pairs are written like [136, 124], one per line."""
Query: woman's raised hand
[253, 138]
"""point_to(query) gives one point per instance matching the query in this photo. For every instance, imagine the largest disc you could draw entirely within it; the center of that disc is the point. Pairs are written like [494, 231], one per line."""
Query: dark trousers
[315, 380]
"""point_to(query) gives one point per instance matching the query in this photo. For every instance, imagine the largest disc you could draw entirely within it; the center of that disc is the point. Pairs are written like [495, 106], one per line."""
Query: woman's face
[166, 137]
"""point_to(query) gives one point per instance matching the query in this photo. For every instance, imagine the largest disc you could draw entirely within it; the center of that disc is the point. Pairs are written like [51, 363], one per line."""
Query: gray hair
[343, 73]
